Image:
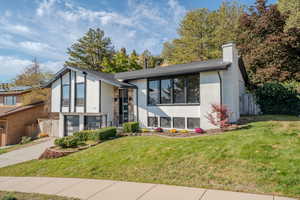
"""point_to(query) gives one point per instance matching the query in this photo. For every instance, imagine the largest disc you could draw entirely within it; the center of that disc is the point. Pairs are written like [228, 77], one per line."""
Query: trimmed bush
[102, 134]
[9, 197]
[82, 135]
[279, 98]
[131, 127]
[67, 142]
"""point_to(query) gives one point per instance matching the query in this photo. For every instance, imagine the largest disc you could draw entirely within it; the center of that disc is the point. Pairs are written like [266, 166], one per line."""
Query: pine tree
[90, 51]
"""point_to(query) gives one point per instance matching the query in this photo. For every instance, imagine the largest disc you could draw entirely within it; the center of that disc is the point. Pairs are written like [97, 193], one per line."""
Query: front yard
[263, 157]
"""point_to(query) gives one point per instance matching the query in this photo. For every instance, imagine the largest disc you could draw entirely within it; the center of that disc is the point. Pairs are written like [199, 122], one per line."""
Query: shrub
[145, 130]
[199, 130]
[9, 197]
[82, 135]
[42, 135]
[131, 127]
[173, 131]
[67, 142]
[184, 131]
[25, 139]
[158, 129]
[103, 133]
[279, 98]
[219, 116]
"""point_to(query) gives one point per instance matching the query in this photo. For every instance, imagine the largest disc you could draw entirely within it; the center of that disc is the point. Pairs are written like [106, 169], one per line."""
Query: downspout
[221, 88]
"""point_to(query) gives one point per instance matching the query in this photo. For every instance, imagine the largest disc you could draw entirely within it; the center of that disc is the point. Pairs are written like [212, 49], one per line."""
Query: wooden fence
[248, 105]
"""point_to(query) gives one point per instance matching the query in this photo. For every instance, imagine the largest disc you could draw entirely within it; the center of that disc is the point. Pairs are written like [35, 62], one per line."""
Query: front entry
[123, 106]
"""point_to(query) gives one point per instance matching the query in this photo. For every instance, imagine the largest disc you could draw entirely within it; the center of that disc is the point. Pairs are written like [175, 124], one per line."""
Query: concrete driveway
[92, 189]
[24, 154]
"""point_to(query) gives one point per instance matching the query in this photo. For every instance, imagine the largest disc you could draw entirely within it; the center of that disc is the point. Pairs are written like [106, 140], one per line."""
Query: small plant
[131, 127]
[219, 116]
[42, 135]
[9, 197]
[145, 130]
[158, 130]
[25, 139]
[67, 142]
[173, 130]
[199, 130]
[184, 131]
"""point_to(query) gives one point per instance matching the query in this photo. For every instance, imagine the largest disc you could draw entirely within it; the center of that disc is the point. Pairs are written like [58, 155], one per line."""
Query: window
[179, 122]
[193, 123]
[193, 90]
[176, 90]
[166, 91]
[66, 95]
[79, 94]
[71, 124]
[165, 122]
[152, 122]
[92, 122]
[10, 100]
[153, 92]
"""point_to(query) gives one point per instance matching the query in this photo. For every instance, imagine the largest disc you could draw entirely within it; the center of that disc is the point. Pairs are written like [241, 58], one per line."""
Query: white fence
[248, 105]
[49, 126]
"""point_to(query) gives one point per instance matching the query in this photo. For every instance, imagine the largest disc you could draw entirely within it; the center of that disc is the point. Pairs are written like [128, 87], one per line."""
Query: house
[177, 96]
[16, 119]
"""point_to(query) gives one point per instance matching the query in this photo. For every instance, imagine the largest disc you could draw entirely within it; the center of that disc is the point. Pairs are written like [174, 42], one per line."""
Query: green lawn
[261, 158]
[31, 196]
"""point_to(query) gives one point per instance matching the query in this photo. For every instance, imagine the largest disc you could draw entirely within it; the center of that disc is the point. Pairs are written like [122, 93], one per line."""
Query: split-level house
[177, 96]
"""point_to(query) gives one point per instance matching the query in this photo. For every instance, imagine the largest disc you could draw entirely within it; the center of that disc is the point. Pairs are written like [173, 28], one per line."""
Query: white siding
[107, 100]
[55, 96]
[92, 95]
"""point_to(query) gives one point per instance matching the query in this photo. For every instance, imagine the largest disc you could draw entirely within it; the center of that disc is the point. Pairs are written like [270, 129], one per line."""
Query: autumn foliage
[219, 116]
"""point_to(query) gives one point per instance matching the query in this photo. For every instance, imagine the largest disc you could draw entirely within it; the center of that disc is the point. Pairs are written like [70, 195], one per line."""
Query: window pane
[179, 94]
[166, 90]
[193, 123]
[79, 94]
[10, 100]
[153, 92]
[179, 122]
[92, 122]
[66, 97]
[165, 122]
[71, 124]
[193, 90]
[152, 122]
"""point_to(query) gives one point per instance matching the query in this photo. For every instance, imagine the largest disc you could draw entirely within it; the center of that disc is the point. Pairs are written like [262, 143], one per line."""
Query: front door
[123, 106]
[71, 124]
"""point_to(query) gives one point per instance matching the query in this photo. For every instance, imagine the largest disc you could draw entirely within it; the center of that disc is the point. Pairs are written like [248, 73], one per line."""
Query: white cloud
[35, 46]
[45, 7]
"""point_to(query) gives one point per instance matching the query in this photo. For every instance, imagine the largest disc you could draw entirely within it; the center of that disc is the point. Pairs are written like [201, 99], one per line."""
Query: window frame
[180, 118]
[156, 119]
[193, 118]
[159, 79]
[13, 100]
[64, 104]
[170, 118]
[92, 127]
[76, 94]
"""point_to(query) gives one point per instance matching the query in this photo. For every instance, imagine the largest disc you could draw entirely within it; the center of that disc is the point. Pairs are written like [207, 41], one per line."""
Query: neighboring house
[178, 96]
[17, 120]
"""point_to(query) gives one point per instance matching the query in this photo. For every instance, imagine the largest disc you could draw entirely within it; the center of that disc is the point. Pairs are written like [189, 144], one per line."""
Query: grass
[264, 157]
[32, 196]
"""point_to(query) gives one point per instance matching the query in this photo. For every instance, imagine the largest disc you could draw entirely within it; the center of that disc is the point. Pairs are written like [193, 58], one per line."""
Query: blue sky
[46, 28]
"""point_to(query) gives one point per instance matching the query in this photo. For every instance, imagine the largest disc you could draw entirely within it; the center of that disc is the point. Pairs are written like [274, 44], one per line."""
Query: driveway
[92, 189]
[24, 154]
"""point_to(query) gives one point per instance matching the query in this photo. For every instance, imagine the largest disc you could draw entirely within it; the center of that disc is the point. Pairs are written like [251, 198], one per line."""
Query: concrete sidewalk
[116, 190]
[25, 154]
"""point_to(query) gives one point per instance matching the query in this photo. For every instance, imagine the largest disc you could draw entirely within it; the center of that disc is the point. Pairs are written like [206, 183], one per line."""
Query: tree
[270, 53]
[32, 76]
[292, 9]
[152, 61]
[91, 51]
[202, 32]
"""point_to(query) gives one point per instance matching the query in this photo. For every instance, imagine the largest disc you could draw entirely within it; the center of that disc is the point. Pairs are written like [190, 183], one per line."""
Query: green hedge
[131, 127]
[67, 142]
[82, 135]
[102, 134]
[279, 98]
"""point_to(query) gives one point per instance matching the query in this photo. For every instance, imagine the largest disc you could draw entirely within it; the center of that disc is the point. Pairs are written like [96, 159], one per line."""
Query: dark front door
[71, 124]
[123, 106]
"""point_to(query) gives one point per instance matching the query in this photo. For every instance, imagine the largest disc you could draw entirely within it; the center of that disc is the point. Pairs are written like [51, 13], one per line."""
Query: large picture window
[179, 122]
[10, 100]
[175, 90]
[92, 122]
[66, 95]
[193, 123]
[79, 94]
[165, 122]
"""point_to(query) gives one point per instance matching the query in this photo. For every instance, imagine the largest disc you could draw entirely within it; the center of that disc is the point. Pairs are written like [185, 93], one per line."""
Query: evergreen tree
[91, 51]
[133, 61]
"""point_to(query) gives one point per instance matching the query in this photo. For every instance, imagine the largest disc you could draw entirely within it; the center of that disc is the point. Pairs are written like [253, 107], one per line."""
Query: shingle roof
[178, 69]
[15, 89]
[19, 109]
[106, 77]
